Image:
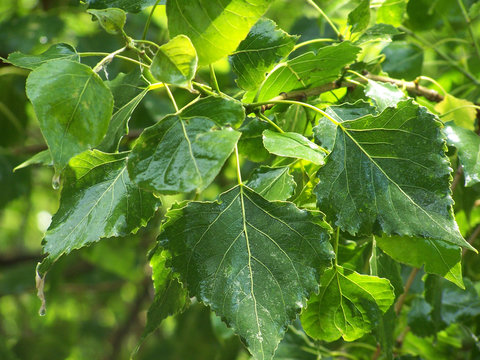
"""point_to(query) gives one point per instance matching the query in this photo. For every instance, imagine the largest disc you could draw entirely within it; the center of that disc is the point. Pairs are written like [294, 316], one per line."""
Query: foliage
[239, 179]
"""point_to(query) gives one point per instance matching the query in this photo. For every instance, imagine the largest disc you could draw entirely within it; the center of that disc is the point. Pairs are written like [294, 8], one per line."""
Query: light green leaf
[392, 12]
[384, 94]
[378, 32]
[359, 18]
[255, 273]
[348, 305]
[272, 183]
[438, 256]
[372, 179]
[215, 28]
[175, 62]
[57, 51]
[222, 110]
[98, 201]
[265, 46]
[294, 145]
[308, 70]
[112, 20]
[462, 112]
[474, 11]
[133, 6]
[468, 147]
[43, 158]
[73, 107]
[180, 154]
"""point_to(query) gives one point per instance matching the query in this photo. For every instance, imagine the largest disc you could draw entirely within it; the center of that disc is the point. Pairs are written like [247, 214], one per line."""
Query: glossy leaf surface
[127, 5]
[371, 180]
[73, 107]
[272, 183]
[265, 46]
[57, 51]
[98, 201]
[384, 94]
[255, 273]
[348, 305]
[215, 28]
[112, 20]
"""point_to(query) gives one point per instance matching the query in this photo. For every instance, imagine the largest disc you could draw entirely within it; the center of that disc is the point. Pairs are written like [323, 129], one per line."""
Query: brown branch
[408, 284]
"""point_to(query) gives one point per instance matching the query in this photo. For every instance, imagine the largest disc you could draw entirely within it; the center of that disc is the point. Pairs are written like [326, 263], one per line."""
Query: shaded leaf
[403, 60]
[459, 305]
[180, 155]
[256, 272]
[43, 158]
[360, 16]
[265, 46]
[251, 142]
[98, 201]
[222, 110]
[112, 20]
[272, 183]
[175, 62]
[57, 51]
[348, 305]
[371, 181]
[215, 28]
[73, 106]
[293, 145]
[378, 32]
[127, 5]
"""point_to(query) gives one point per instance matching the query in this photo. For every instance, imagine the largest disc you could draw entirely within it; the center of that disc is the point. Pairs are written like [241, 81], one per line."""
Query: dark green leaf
[73, 107]
[420, 318]
[403, 60]
[384, 94]
[215, 28]
[379, 32]
[438, 256]
[459, 305]
[180, 155]
[175, 62]
[296, 346]
[265, 46]
[272, 183]
[57, 51]
[13, 185]
[468, 146]
[360, 16]
[255, 273]
[127, 5]
[372, 180]
[251, 142]
[13, 115]
[294, 119]
[348, 305]
[112, 19]
[98, 201]
[293, 145]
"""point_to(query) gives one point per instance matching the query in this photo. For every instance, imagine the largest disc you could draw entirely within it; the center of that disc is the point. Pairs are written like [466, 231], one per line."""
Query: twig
[402, 298]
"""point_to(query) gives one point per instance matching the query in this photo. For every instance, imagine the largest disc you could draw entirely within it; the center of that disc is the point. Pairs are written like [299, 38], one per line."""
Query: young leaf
[73, 106]
[457, 110]
[293, 145]
[98, 201]
[215, 28]
[57, 51]
[438, 256]
[384, 94]
[392, 12]
[348, 305]
[175, 62]
[254, 262]
[132, 6]
[265, 46]
[180, 154]
[272, 183]
[468, 147]
[360, 16]
[371, 179]
[308, 70]
[112, 20]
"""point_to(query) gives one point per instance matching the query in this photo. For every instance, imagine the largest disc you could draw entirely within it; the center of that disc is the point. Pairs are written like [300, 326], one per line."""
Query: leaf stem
[263, 117]
[213, 78]
[469, 25]
[147, 42]
[203, 88]
[239, 173]
[108, 59]
[149, 20]
[408, 285]
[325, 16]
[87, 54]
[309, 42]
[359, 75]
[335, 245]
[170, 95]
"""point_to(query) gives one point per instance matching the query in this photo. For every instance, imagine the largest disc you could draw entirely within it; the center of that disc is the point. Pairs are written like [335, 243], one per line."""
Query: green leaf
[98, 201]
[43, 157]
[438, 256]
[309, 70]
[13, 115]
[372, 180]
[392, 12]
[180, 154]
[133, 6]
[251, 142]
[419, 318]
[348, 305]
[462, 112]
[474, 11]
[57, 51]
[403, 60]
[272, 183]
[468, 147]
[378, 32]
[294, 119]
[254, 262]
[112, 20]
[175, 62]
[296, 346]
[459, 305]
[384, 94]
[359, 18]
[293, 145]
[220, 109]
[170, 296]
[73, 107]
[264, 47]
[215, 28]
